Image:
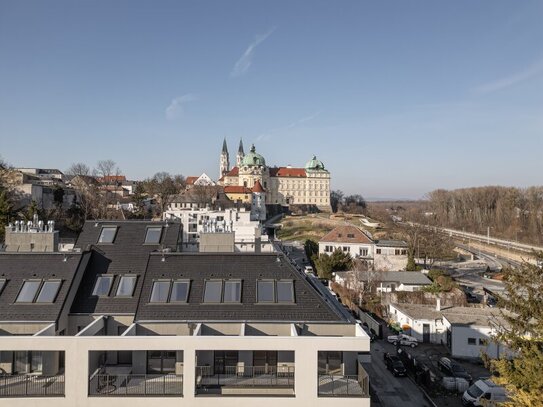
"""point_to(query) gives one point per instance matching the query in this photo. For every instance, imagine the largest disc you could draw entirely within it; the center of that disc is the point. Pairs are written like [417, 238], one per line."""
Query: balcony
[30, 385]
[342, 386]
[246, 380]
[341, 374]
[111, 385]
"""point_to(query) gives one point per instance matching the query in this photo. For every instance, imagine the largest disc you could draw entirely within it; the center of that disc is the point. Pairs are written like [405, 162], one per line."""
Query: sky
[396, 98]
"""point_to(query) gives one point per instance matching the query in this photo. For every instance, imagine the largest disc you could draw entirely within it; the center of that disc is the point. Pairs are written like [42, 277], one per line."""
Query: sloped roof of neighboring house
[127, 255]
[237, 189]
[462, 316]
[390, 243]
[191, 180]
[287, 172]
[406, 277]
[309, 306]
[234, 172]
[112, 178]
[346, 234]
[258, 187]
[15, 268]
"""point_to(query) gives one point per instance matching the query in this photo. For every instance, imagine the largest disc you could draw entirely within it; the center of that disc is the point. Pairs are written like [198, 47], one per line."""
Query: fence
[31, 385]
[342, 386]
[246, 376]
[136, 385]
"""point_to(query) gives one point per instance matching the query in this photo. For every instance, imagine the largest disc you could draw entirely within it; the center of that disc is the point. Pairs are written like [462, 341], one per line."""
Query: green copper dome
[253, 159]
[314, 164]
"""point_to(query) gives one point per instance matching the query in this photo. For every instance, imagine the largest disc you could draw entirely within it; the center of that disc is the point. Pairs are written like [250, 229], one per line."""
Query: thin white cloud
[267, 134]
[244, 62]
[502, 83]
[176, 107]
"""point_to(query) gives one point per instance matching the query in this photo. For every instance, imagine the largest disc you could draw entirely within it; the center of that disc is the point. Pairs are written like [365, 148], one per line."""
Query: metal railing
[342, 386]
[108, 385]
[246, 376]
[29, 385]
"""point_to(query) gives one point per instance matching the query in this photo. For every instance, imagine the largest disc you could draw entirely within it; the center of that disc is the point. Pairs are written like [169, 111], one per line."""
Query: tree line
[507, 212]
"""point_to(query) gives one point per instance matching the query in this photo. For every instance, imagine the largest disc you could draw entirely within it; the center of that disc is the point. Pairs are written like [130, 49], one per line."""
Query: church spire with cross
[224, 165]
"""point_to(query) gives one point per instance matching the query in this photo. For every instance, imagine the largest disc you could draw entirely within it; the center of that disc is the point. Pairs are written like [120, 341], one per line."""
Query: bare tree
[164, 187]
[79, 169]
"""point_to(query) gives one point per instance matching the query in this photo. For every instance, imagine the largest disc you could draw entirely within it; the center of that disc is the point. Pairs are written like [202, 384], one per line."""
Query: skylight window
[232, 291]
[102, 285]
[107, 235]
[2, 284]
[28, 291]
[153, 235]
[126, 286]
[213, 291]
[48, 291]
[180, 291]
[285, 291]
[160, 291]
[265, 291]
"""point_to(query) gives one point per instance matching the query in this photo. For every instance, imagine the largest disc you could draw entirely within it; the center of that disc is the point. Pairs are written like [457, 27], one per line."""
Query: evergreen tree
[522, 331]
[5, 211]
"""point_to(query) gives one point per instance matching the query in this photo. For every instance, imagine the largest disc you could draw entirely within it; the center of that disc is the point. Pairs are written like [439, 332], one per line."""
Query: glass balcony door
[223, 360]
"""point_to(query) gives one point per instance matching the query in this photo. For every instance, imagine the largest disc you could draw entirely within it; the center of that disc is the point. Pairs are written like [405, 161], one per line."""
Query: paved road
[391, 391]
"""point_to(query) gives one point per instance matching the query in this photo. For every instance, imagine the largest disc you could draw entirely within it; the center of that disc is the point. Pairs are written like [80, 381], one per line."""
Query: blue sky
[396, 98]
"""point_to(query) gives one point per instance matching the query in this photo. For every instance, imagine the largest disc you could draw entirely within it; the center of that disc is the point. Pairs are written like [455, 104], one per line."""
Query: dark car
[454, 369]
[395, 365]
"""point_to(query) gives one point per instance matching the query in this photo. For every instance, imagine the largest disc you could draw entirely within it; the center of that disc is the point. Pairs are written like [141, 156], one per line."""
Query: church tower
[224, 161]
[241, 154]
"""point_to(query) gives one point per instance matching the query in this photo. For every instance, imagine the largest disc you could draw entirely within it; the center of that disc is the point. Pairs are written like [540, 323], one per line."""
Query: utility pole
[488, 235]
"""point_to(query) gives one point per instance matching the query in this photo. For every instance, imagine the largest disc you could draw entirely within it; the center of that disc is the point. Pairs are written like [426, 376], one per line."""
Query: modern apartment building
[126, 319]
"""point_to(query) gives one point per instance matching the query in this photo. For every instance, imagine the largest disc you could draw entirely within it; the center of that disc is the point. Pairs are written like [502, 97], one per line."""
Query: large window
[36, 291]
[48, 291]
[265, 291]
[102, 285]
[107, 235]
[232, 291]
[126, 286]
[285, 291]
[153, 234]
[180, 291]
[213, 291]
[160, 291]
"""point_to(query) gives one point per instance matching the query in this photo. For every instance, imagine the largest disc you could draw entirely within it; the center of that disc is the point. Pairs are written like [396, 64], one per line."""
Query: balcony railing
[246, 376]
[114, 385]
[29, 385]
[343, 386]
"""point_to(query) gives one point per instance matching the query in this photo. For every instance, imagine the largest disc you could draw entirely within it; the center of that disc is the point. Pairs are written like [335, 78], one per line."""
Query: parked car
[454, 369]
[484, 393]
[394, 364]
[403, 339]
[367, 330]
[308, 270]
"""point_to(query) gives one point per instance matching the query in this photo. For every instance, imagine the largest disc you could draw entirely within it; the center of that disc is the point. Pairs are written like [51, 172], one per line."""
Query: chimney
[438, 304]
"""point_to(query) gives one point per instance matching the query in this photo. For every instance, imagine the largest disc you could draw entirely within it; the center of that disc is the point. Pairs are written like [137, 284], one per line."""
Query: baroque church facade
[285, 186]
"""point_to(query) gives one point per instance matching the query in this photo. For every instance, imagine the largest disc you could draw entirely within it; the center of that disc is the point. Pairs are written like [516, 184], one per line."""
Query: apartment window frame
[206, 291]
[110, 277]
[3, 282]
[237, 298]
[36, 290]
[133, 277]
[292, 299]
[153, 228]
[258, 290]
[101, 236]
[58, 283]
[472, 341]
[155, 284]
[180, 301]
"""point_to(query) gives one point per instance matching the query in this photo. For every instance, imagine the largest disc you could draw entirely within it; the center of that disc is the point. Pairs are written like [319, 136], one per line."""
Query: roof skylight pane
[285, 291]
[153, 234]
[2, 284]
[48, 291]
[102, 286]
[232, 291]
[213, 291]
[126, 286]
[107, 235]
[160, 291]
[265, 291]
[28, 291]
[180, 291]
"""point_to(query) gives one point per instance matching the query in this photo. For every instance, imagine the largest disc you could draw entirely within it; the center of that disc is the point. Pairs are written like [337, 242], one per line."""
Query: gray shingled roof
[17, 267]
[404, 277]
[249, 268]
[126, 255]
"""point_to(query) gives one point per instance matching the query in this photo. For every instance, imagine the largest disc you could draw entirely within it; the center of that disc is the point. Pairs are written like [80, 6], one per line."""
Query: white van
[308, 270]
[484, 393]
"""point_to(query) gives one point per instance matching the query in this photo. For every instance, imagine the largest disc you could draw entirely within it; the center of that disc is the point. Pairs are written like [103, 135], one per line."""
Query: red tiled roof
[258, 187]
[191, 180]
[237, 189]
[346, 234]
[287, 172]
[233, 172]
